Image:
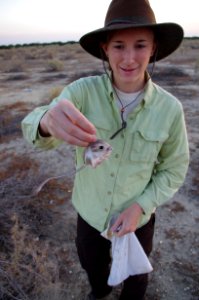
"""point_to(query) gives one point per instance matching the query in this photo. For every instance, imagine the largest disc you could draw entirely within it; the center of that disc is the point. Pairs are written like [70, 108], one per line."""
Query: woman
[144, 124]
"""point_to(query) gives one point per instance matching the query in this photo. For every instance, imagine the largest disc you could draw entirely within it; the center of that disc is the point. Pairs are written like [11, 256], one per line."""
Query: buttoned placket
[117, 157]
[115, 161]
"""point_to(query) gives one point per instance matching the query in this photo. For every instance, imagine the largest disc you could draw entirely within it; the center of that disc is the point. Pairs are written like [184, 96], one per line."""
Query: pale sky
[26, 21]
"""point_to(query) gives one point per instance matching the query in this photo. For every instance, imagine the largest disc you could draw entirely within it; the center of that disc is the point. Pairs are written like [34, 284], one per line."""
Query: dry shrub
[196, 69]
[7, 54]
[15, 65]
[45, 53]
[54, 66]
[30, 268]
[33, 261]
[36, 53]
[12, 60]
[54, 92]
[30, 54]
[85, 74]
[10, 120]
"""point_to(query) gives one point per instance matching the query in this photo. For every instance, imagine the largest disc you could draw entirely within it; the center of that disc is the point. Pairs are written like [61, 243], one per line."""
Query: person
[144, 124]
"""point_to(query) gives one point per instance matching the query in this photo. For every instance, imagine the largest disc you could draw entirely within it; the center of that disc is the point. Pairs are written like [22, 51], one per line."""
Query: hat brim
[168, 35]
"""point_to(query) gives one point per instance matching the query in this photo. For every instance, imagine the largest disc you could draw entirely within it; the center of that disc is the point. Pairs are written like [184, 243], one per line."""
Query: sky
[28, 21]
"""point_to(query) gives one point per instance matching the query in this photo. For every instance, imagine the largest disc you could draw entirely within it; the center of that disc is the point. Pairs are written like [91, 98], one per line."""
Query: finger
[74, 141]
[117, 225]
[62, 128]
[79, 133]
[120, 233]
[77, 118]
[121, 230]
[73, 130]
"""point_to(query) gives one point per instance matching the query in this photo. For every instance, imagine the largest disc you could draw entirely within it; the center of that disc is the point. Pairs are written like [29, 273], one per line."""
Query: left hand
[128, 220]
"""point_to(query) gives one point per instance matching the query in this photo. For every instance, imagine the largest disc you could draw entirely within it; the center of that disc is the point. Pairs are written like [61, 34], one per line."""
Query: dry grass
[31, 269]
[32, 263]
[52, 57]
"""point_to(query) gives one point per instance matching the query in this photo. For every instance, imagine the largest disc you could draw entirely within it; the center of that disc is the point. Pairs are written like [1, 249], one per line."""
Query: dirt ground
[38, 258]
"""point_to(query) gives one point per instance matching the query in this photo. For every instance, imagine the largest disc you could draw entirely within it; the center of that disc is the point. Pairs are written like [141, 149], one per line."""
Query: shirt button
[109, 193]
[116, 155]
[122, 135]
[112, 174]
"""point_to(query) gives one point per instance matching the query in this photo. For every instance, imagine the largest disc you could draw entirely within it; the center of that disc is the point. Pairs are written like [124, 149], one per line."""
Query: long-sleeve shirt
[149, 159]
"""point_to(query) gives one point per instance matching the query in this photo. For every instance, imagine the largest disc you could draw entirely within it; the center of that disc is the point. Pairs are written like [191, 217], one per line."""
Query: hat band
[135, 21]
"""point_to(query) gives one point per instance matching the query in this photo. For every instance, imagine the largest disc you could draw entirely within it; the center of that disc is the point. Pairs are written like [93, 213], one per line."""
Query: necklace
[124, 123]
[122, 110]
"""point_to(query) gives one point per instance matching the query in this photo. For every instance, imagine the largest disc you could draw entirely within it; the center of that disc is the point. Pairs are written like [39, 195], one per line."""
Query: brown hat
[123, 14]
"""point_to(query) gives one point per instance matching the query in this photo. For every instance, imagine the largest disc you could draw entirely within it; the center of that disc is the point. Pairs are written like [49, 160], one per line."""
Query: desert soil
[38, 258]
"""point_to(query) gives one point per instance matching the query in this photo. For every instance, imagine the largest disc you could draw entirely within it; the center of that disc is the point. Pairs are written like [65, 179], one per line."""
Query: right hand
[65, 122]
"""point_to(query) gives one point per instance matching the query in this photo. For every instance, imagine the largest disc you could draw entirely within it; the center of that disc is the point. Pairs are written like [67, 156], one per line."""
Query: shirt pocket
[145, 145]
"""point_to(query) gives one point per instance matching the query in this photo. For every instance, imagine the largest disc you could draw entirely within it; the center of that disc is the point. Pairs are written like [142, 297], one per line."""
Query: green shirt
[149, 159]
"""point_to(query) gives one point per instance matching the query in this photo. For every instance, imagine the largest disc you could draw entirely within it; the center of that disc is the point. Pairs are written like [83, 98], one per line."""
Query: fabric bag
[128, 258]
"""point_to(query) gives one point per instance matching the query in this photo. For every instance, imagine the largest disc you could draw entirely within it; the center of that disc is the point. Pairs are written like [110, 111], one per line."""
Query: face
[128, 53]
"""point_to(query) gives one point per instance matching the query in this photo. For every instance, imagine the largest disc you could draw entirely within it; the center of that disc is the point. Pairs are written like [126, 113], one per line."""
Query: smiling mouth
[128, 70]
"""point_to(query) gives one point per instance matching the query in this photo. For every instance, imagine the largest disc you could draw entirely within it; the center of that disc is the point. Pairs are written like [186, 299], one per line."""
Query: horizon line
[62, 42]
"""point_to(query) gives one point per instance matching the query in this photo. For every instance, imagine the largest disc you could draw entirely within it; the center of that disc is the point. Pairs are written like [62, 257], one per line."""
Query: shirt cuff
[146, 205]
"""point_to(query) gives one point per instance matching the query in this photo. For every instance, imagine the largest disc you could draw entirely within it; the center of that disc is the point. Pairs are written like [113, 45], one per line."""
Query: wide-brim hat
[123, 14]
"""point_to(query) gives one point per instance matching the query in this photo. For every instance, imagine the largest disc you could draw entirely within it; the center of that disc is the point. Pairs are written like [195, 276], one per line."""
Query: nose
[129, 55]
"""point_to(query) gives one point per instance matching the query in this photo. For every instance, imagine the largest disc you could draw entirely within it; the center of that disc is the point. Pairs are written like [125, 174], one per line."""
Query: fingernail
[118, 228]
[94, 138]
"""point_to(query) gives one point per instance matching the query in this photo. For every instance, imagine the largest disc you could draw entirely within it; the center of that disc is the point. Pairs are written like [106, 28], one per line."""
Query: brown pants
[94, 255]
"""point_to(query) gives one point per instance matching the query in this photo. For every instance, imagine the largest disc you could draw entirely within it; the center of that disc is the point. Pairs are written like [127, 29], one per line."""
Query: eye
[119, 47]
[101, 147]
[140, 46]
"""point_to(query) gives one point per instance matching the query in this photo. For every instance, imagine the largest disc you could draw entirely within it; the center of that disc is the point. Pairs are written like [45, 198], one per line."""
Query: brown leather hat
[123, 14]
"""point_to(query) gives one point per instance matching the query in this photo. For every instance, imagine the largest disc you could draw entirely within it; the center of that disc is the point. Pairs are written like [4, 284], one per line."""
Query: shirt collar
[109, 85]
[148, 90]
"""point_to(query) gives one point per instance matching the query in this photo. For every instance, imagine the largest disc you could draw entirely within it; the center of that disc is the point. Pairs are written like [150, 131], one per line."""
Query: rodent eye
[101, 147]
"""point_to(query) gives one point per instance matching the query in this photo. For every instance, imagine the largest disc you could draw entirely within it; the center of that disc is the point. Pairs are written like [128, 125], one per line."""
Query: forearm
[30, 129]
[164, 184]
[170, 171]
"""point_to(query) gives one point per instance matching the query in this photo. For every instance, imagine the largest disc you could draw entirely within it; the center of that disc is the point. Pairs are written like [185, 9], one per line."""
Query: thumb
[117, 225]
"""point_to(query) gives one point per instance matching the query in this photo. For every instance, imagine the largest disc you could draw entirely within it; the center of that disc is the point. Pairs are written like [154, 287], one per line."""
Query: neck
[130, 87]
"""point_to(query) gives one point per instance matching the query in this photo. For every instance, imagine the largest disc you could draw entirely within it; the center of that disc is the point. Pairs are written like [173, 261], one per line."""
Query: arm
[170, 172]
[47, 126]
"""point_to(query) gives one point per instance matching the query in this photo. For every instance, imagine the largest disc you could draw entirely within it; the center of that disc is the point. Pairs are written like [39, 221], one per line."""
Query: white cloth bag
[128, 258]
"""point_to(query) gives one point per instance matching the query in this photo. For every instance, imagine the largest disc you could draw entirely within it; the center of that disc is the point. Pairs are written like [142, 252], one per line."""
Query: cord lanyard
[122, 110]
[124, 124]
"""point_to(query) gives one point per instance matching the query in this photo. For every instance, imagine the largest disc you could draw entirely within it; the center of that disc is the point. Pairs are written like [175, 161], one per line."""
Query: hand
[65, 122]
[128, 220]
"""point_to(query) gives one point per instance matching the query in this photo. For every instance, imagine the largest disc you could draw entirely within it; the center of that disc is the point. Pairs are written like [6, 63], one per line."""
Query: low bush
[54, 66]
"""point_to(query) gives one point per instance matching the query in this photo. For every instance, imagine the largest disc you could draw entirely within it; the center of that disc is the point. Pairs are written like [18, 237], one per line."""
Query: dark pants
[94, 255]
